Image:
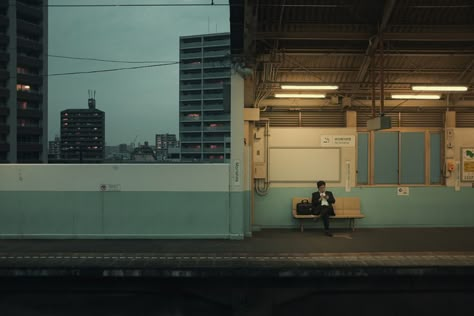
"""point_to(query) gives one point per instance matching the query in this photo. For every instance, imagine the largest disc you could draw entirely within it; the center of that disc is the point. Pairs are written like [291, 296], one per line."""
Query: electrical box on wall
[260, 171]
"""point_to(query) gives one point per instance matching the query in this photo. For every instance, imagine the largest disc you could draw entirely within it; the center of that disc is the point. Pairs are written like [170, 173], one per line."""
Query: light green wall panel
[119, 214]
[424, 207]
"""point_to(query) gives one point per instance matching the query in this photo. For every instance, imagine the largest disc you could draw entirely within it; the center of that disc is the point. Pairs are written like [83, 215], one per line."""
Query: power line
[110, 70]
[110, 60]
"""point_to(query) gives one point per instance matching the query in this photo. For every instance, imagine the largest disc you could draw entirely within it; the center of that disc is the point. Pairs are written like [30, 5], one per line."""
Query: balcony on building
[4, 147]
[208, 86]
[190, 117]
[28, 27]
[4, 22]
[213, 96]
[190, 139]
[216, 128]
[213, 139]
[29, 11]
[191, 65]
[29, 44]
[190, 107]
[4, 58]
[192, 43]
[216, 117]
[29, 130]
[213, 106]
[216, 149]
[217, 74]
[188, 97]
[30, 95]
[4, 92]
[4, 39]
[4, 74]
[4, 128]
[220, 64]
[190, 129]
[212, 43]
[190, 54]
[30, 113]
[30, 147]
[190, 150]
[190, 86]
[190, 75]
[4, 111]
[24, 60]
[215, 53]
[29, 78]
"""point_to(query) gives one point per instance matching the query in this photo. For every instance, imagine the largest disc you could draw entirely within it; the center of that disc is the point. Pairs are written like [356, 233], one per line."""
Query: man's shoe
[328, 234]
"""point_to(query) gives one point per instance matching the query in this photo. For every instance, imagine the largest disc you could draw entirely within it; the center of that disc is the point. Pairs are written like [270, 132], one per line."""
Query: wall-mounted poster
[467, 164]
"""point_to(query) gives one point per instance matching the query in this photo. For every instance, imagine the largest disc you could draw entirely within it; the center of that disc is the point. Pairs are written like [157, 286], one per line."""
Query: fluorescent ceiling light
[298, 95]
[417, 96]
[439, 88]
[307, 87]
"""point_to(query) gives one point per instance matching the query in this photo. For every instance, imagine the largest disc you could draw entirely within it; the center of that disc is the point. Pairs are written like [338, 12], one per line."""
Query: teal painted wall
[424, 207]
[118, 215]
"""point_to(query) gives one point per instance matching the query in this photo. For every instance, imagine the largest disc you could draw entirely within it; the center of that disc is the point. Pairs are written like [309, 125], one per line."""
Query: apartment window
[399, 158]
[23, 87]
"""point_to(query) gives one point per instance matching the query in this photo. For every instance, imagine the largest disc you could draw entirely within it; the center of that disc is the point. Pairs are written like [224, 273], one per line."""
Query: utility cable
[111, 60]
[109, 70]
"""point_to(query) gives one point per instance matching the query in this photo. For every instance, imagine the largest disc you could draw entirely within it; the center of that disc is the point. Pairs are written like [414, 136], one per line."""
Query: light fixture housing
[300, 95]
[308, 87]
[439, 88]
[417, 96]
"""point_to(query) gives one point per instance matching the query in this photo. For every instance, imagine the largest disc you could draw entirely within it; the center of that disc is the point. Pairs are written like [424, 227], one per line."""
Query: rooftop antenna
[91, 100]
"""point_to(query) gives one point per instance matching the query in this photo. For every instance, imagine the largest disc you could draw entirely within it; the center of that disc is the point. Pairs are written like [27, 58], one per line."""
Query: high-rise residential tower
[23, 81]
[204, 98]
[83, 134]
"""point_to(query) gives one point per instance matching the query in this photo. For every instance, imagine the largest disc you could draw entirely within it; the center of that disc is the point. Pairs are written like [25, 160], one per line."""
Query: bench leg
[353, 224]
[301, 226]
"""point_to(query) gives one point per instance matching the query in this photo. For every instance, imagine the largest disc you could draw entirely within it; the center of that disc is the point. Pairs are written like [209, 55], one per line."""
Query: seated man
[322, 201]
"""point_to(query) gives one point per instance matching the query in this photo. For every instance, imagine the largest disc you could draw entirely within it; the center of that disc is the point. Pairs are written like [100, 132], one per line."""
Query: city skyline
[139, 103]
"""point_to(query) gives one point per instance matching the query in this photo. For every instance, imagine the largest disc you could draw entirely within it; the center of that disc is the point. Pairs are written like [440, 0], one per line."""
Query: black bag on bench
[304, 208]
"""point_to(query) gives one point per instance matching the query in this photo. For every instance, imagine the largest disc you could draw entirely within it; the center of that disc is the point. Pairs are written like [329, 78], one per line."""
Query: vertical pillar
[237, 215]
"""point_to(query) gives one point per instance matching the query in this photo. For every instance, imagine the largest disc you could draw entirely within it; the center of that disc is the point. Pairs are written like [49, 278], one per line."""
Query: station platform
[409, 271]
[271, 253]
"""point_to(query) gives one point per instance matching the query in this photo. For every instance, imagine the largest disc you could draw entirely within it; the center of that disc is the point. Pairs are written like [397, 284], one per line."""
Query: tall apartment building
[163, 143]
[83, 134]
[204, 98]
[23, 84]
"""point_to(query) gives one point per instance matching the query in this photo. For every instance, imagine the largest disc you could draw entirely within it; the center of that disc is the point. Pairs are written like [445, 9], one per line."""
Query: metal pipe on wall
[382, 79]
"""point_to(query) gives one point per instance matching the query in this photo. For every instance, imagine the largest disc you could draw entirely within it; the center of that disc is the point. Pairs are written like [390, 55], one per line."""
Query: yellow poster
[467, 164]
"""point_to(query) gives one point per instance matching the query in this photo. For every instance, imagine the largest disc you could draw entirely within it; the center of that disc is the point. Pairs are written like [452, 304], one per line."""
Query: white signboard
[337, 140]
[467, 164]
[236, 172]
[404, 191]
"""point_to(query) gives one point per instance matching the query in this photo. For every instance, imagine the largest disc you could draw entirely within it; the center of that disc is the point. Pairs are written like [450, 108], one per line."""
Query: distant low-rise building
[163, 143]
[54, 149]
[143, 153]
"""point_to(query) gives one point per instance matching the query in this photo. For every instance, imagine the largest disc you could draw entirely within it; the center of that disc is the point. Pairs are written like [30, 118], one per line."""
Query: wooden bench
[345, 207]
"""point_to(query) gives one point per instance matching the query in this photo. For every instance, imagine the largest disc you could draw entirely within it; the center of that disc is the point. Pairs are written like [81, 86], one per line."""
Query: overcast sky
[141, 102]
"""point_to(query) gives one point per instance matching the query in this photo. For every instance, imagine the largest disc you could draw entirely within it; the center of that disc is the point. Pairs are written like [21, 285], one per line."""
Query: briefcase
[304, 208]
